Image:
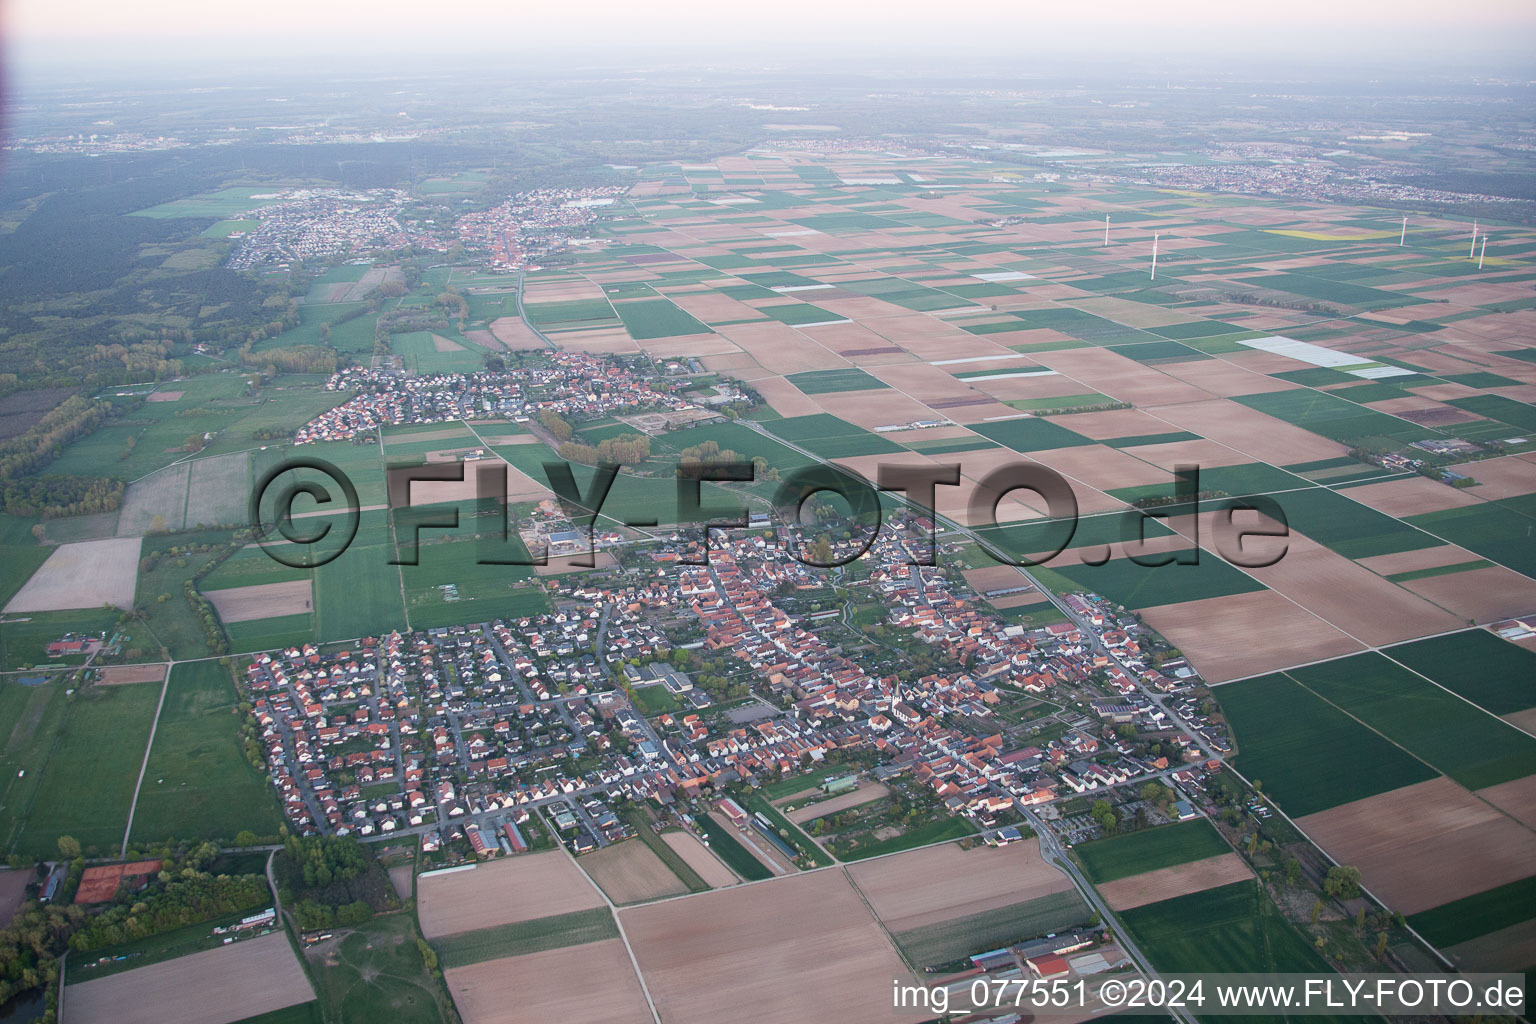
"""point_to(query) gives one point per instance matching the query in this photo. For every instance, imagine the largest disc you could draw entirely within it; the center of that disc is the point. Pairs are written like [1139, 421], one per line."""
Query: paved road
[1052, 852]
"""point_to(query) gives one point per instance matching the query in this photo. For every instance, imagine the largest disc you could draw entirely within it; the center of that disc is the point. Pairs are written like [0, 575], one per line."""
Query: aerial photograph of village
[653, 516]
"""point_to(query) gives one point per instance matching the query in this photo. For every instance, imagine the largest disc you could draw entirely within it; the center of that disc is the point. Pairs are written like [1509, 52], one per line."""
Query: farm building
[841, 784]
[733, 811]
[1047, 965]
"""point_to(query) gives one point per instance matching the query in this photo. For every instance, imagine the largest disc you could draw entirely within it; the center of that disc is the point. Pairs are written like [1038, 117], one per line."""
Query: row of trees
[626, 449]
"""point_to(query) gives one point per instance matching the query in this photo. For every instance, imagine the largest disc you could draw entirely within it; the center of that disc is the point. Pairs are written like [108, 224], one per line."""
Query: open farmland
[596, 983]
[630, 873]
[1425, 844]
[1107, 860]
[1494, 674]
[87, 782]
[502, 892]
[557, 931]
[1468, 744]
[83, 575]
[1230, 928]
[1178, 880]
[697, 856]
[943, 903]
[218, 986]
[904, 894]
[197, 782]
[813, 944]
[1273, 716]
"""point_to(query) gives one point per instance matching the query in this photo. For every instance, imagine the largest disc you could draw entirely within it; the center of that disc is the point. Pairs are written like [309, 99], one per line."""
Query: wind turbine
[1154, 257]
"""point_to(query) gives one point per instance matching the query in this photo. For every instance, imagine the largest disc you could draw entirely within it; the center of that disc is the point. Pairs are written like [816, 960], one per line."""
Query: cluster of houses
[532, 226]
[320, 223]
[441, 729]
[572, 384]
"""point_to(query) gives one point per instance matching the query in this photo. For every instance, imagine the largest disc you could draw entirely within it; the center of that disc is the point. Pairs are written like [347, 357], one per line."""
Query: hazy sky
[1457, 32]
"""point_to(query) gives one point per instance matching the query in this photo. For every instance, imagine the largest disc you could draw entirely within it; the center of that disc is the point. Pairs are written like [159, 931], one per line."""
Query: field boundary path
[1051, 853]
[613, 912]
[540, 334]
[144, 765]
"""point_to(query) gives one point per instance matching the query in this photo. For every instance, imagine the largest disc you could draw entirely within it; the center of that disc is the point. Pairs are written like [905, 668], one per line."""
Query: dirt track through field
[217, 986]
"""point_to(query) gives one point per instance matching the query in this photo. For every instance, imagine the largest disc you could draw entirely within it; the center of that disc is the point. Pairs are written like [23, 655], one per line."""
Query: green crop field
[224, 203]
[1151, 849]
[1309, 755]
[198, 783]
[1348, 527]
[574, 929]
[801, 313]
[730, 850]
[1020, 540]
[819, 382]
[1030, 434]
[480, 592]
[646, 319]
[269, 634]
[375, 973]
[976, 933]
[30, 717]
[1479, 914]
[422, 353]
[20, 555]
[299, 1013]
[1314, 287]
[1496, 675]
[1227, 929]
[1472, 747]
[1138, 586]
[88, 781]
[1332, 417]
[577, 313]
[1493, 530]
[250, 567]
[358, 593]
